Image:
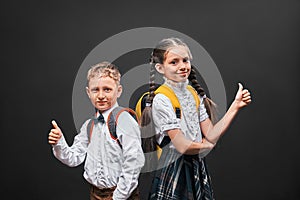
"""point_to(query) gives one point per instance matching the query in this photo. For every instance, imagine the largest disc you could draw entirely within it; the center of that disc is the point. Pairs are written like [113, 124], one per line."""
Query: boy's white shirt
[106, 164]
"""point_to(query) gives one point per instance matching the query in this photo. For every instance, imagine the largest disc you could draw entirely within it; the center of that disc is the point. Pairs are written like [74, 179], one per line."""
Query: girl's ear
[160, 68]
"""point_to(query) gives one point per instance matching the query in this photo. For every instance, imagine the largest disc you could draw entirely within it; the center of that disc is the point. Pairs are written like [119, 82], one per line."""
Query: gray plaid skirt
[181, 177]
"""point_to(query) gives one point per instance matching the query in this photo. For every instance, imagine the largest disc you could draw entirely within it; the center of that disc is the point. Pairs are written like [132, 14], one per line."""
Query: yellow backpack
[167, 91]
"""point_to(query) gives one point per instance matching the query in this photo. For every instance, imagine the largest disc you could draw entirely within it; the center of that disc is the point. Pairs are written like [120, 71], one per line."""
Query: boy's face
[103, 92]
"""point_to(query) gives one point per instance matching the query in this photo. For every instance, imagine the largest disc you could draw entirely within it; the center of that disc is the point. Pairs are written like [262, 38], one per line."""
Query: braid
[148, 136]
[146, 118]
[193, 79]
[151, 85]
[210, 106]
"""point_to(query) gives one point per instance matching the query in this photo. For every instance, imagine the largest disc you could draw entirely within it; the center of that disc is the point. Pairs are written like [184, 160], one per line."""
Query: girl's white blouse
[165, 119]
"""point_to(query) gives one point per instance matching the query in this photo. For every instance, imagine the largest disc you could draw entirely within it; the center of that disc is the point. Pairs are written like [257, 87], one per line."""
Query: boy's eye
[173, 62]
[107, 89]
[94, 90]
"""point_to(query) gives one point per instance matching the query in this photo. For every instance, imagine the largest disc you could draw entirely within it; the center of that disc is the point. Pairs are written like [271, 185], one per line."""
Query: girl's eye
[173, 62]
[186, 60]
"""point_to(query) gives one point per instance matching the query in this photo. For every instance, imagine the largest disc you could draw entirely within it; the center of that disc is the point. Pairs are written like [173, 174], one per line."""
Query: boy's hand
[242, 97]
[55, 134]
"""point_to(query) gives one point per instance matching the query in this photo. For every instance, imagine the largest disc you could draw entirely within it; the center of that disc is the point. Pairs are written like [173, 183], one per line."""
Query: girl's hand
[242, 97]
[55, 134]
[206, 144]
[206, 147]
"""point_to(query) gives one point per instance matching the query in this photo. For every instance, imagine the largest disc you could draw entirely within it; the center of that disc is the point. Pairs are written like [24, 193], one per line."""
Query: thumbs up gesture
[242, 97]
[55, 134]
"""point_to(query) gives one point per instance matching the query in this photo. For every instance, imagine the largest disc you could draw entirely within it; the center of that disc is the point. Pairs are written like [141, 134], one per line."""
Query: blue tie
[101, 118]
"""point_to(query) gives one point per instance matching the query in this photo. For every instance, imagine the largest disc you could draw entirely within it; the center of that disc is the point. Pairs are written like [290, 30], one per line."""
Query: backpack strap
[167, 91]
[163, 89]
[112, 121]
[90, 127]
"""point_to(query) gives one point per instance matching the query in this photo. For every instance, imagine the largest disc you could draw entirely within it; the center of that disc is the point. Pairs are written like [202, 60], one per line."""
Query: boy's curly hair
[104, 69]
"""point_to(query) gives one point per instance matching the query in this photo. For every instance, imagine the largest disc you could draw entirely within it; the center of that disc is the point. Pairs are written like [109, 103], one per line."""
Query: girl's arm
[213, 132]
[166, 122]
[186, 146]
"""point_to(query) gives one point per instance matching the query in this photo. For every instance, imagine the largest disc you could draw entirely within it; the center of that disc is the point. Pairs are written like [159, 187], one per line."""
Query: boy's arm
[71, 156]
[129, 135]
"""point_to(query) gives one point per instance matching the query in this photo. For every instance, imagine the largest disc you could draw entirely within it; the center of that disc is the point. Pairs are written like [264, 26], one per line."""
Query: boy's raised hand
[55, 134]
[242, 97]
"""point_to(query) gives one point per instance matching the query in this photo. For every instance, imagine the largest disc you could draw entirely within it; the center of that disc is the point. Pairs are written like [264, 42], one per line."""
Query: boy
[111, 167]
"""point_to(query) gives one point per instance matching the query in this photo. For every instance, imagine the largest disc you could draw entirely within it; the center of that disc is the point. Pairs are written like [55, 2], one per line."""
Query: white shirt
[106, 164]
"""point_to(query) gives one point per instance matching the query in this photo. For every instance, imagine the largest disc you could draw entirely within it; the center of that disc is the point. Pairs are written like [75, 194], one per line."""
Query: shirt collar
[176, 86]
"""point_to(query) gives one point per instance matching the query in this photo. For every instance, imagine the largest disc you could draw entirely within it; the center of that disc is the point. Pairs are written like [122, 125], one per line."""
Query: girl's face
[103, 92]
[177, 65]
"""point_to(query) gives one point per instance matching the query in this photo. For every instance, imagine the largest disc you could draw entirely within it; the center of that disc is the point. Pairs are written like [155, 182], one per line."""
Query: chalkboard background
[43, 44]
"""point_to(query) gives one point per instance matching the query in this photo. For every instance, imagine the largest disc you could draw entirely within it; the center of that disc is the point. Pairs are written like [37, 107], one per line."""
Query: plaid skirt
[181, 177]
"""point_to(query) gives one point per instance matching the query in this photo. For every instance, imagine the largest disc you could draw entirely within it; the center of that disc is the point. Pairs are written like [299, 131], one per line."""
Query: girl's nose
[182, 67]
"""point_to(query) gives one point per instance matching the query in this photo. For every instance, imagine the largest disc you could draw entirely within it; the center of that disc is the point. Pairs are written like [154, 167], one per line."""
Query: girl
[182, 170]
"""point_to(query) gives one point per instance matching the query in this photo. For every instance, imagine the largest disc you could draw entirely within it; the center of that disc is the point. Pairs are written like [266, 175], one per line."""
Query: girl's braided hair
[208, 103]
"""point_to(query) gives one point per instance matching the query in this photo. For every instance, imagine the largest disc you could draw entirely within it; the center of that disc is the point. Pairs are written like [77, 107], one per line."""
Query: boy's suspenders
[112, 121]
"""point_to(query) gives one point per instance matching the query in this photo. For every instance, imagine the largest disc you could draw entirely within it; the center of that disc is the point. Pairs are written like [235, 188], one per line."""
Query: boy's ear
[120, 89]
[87, 92]
[159, 68]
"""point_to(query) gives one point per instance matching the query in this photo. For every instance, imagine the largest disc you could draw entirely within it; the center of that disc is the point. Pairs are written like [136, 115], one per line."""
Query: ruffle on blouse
[188, 109]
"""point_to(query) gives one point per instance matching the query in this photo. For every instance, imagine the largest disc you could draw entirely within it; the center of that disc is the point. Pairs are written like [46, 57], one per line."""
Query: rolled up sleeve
[163, 115]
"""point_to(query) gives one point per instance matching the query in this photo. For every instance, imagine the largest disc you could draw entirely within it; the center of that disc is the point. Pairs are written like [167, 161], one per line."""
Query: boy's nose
[101, 95]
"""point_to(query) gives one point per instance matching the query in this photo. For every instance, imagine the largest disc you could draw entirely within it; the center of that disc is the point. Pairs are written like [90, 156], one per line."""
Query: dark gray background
[257, 42]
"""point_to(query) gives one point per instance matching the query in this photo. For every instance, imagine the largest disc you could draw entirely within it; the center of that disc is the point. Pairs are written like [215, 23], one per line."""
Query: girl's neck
[176, 85]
